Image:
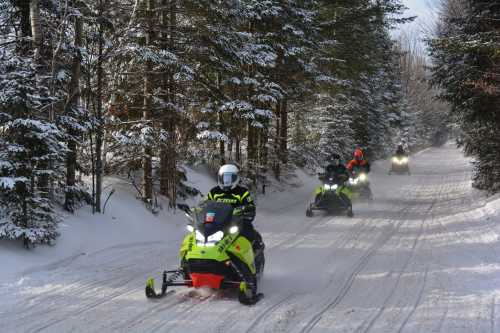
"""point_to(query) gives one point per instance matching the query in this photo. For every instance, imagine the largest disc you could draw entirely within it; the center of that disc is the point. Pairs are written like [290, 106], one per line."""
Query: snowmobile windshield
[333, 180]
[213, 216]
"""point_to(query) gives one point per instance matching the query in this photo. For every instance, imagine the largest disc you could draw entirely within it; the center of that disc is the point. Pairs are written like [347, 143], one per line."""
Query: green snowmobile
[215, 255]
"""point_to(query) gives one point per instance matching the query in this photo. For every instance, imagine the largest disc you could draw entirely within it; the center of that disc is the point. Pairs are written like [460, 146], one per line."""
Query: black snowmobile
[215, 255]
[400, 165]
[333, 197]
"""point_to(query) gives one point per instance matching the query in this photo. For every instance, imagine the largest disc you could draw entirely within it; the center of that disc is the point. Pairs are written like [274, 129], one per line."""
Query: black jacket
[237, 197]
[400, 152]
[337, 172]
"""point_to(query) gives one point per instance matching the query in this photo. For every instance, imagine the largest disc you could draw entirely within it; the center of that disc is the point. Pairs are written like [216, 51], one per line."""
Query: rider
[358, 161]
[336, 170]
[400, 151]
[229, 191]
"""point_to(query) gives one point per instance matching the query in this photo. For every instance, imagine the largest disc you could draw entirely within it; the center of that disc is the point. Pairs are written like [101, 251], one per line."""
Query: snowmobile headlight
[334, 187]
[216, 237]
[395, 160]
[199, 236]
[327, 187]
[404, 160]
[363, 177]
[352, 181]
[233, 230]
[190, 228]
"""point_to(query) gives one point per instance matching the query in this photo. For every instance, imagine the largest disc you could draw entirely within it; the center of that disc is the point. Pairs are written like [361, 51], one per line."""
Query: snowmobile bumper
[209, 280]
[331, 203]
[400, 168]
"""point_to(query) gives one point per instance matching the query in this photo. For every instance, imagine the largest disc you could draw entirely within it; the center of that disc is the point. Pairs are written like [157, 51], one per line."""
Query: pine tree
[28, 143]
[466, 60]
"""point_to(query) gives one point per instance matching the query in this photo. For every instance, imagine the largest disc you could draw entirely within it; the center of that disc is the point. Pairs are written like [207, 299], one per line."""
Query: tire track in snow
[417, 302]
[441, 321]
[400, 274]
[55, 295]
[351, 235]
[149, 313]
[492, 316]
[182, 316]
[123, 291]
[89, 291]
[267, 312]
[359, 266]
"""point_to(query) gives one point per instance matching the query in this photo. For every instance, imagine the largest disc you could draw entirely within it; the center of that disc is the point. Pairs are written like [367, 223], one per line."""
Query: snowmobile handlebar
[185, 208]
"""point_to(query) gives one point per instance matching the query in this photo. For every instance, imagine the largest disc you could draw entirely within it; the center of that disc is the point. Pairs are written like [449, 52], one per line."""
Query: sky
[426, 12]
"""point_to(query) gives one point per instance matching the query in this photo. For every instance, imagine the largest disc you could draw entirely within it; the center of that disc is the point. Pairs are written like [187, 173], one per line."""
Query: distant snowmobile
[360, 185]
[334, 197]
[215, 255]
[400, 165]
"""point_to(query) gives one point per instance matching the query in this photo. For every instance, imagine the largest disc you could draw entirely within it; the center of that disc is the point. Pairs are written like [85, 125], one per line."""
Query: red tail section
[206, 280]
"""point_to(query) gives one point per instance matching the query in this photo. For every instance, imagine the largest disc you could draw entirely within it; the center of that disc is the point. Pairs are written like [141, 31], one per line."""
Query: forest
[465, 63]
[140, 88]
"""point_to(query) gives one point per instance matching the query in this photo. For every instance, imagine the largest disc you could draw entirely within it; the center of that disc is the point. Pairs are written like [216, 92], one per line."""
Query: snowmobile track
[417, 302]
[359, 266]
[398, 280]
[268, 311]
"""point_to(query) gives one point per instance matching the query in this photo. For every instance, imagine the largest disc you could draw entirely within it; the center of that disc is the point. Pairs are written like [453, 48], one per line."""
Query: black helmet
[335, 159]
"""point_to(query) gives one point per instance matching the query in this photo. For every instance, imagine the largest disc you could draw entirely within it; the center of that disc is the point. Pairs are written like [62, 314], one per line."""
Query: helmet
[228, 177]
[358, 154]
[335, 159]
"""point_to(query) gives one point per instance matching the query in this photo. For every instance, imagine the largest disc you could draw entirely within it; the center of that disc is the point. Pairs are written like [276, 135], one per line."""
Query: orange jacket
[355, 163]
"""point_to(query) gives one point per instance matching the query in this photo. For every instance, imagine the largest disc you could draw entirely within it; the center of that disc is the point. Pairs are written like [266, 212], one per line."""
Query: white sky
[426, 10]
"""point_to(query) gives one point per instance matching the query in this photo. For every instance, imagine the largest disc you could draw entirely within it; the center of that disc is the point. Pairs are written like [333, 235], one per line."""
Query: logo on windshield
[210, 217]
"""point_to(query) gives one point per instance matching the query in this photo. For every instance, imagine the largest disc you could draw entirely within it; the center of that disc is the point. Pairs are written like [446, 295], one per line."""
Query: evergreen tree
[466, 61]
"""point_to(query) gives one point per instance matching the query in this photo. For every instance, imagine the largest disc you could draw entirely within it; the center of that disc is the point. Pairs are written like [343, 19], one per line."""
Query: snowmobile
[360, 185]
[333, 197]
[400, 165]
[215, 255]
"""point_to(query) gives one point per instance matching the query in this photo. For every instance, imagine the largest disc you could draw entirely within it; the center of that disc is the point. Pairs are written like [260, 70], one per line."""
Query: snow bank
[126, 222]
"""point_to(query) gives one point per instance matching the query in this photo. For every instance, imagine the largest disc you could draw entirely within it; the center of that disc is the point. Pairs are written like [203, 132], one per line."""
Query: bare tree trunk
[230, 149]
[222, 143]
[72, 102]
[237, 149]
[263, 152]
[276, 162]
[146, 114]
[36, 34]
[36, 27]
[172, 151]
[25, 23]
[168, 159]
[251, 150]
[167, 82]
[99, 115]
[283, 135]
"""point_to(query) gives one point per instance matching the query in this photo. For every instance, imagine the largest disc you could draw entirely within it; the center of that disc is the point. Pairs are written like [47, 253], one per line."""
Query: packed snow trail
[422, 257]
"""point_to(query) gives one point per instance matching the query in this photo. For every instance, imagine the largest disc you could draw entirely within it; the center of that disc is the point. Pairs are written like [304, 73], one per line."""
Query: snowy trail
[423, 257]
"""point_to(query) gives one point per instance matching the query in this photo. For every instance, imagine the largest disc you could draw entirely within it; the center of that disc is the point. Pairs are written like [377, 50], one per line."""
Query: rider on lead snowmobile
[229, 191]
[222, 250]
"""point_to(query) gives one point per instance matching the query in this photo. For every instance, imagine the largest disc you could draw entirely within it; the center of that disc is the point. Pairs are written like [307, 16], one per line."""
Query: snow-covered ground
[423, 257]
